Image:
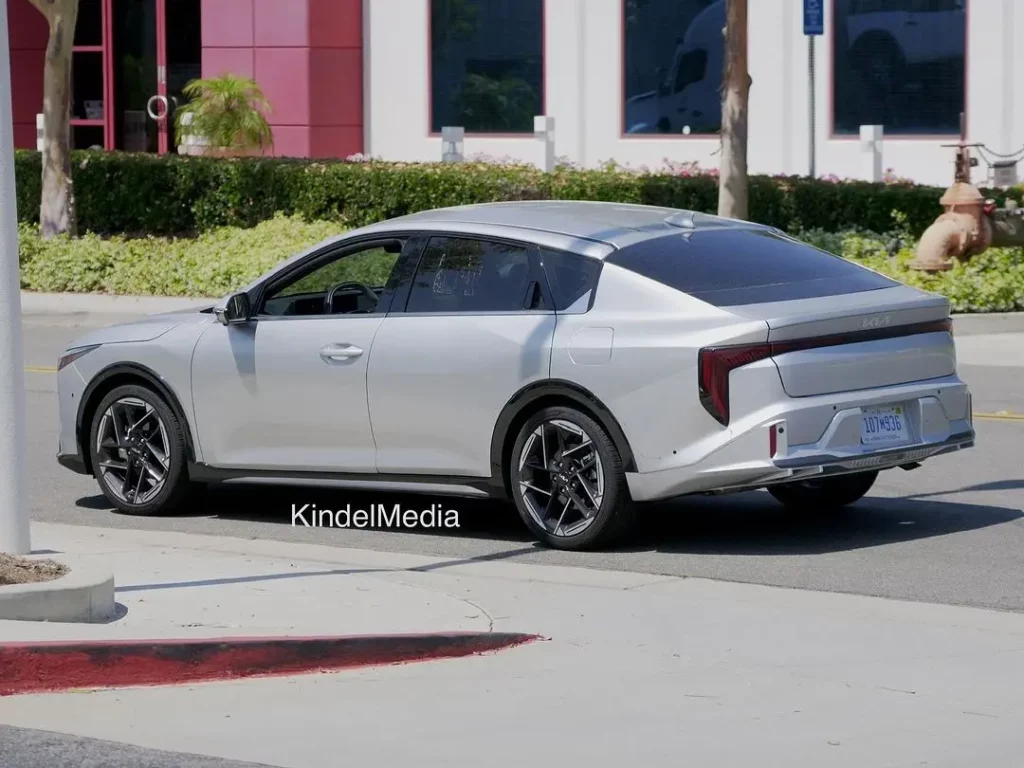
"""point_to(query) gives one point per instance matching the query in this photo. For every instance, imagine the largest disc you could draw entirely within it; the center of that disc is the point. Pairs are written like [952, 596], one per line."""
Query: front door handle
[334, 353]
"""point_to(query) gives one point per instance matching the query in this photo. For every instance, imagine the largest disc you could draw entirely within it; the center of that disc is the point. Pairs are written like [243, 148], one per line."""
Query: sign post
[814, 25]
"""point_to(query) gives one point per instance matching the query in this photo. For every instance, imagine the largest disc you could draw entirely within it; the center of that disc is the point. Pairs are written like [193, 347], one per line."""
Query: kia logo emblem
[878, 321]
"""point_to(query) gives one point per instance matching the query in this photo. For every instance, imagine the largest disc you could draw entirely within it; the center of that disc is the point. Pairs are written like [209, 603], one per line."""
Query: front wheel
[138, 452]
[568, 482]
[825, 493]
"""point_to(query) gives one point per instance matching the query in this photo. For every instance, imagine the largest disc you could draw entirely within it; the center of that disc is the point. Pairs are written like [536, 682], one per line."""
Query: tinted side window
[465, 275]
[728, 267]
[351, 283]
[572, 279]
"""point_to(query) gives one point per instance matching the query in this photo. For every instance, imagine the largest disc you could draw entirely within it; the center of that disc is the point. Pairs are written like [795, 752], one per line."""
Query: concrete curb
[57, 666]
[84, 595]
[988, 322]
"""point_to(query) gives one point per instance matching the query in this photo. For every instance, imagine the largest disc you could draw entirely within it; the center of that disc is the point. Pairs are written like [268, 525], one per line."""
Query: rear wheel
[568, 482]
[138, 452]
[824, 493]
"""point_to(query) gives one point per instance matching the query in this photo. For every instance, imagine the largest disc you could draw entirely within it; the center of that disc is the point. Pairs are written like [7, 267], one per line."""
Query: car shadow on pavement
[736, 524]
[478, 518]
[755, 524]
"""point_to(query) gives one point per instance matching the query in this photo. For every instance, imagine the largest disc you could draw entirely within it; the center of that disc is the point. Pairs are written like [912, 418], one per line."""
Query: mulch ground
[18, 570]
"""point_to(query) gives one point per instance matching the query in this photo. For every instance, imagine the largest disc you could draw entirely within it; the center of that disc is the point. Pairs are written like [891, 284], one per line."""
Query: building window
[486, 64]
[899, 64]
[673, 66]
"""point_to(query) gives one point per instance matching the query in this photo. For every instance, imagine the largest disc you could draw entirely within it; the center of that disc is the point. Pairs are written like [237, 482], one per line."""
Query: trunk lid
[875, 338]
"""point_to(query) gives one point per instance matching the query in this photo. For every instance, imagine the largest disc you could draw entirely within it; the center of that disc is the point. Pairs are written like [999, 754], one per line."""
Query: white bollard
[14, 524]
[452, 142]
[544, 129]
[871, 151]
[40, 132]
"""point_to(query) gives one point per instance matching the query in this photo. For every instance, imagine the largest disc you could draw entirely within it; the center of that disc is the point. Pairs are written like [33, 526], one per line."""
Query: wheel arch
[116, 375]
[531, 399]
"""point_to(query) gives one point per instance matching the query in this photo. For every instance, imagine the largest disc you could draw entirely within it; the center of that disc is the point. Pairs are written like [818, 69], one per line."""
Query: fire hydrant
[969, 225]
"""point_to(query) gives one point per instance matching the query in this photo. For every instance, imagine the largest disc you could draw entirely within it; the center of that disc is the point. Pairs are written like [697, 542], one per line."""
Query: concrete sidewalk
[639, 668]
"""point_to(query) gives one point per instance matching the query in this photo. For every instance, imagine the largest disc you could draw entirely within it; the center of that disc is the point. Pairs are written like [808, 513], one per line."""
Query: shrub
[228, 258]
[213, 264]
[121, 193]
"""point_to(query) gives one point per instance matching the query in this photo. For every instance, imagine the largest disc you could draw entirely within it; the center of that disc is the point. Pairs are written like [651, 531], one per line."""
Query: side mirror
[235, 310]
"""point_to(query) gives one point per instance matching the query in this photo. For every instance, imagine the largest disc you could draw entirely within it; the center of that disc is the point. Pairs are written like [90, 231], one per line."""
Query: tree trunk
[57, 208]
[732, 183]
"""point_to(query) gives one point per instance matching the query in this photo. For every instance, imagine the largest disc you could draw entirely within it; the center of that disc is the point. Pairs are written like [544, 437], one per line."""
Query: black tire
[616, 513]
[826, 493]
[176, 487]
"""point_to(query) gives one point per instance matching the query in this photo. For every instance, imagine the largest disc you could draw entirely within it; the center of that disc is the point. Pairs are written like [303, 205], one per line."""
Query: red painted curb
[57, 666]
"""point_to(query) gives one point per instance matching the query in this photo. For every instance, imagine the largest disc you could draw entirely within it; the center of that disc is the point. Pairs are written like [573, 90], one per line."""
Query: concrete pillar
[14, 521]
[544, 130]
[871, 152]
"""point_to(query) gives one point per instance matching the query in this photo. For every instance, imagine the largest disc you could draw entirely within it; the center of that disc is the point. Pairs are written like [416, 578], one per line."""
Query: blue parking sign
[814, 17]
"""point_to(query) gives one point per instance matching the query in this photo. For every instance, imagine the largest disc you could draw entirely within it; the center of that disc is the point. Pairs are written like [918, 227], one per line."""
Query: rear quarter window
[731, 267]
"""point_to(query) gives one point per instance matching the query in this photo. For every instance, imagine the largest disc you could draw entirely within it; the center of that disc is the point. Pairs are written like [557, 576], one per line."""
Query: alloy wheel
[561, 478]
[132, 450]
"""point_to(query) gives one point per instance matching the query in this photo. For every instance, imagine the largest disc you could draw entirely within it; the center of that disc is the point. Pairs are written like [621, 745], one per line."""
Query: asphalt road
[951, 531]
[28, 748]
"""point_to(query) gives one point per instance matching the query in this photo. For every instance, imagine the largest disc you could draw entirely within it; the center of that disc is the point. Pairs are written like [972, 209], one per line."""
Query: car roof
[613, 224]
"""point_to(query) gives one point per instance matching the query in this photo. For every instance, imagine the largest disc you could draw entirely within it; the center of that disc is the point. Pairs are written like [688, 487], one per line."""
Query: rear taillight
[714, 364]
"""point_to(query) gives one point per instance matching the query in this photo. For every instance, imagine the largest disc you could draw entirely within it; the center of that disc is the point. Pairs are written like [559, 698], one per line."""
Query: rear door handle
[334, 353]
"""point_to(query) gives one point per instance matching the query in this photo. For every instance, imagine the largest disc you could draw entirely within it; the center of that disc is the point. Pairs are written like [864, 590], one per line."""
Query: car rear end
[853, 371]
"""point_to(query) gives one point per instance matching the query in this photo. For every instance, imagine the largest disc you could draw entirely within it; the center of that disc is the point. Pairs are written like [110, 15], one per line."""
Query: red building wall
[307, 56]
[27, 34]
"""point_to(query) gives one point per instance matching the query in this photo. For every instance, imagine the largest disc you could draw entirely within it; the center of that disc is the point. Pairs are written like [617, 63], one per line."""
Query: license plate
[883, 426]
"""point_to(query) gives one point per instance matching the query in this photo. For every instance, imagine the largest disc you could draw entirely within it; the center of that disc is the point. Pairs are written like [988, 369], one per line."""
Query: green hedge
[144, 194]
[225, 259]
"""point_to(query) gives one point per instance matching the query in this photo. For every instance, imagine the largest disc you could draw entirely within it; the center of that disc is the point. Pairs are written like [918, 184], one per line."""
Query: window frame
[535, 276]
[326, 255]
[431, 133]
[830, 35]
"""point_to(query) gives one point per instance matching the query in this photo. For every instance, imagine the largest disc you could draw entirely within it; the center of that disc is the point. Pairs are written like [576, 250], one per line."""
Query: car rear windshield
[730, 267]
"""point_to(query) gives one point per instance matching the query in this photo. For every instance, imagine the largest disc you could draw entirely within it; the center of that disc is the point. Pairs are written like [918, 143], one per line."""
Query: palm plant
[227, 113]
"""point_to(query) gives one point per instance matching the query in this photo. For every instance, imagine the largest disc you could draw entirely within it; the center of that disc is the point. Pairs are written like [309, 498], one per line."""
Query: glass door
[141, 110]
[90, 80]
[184, 55]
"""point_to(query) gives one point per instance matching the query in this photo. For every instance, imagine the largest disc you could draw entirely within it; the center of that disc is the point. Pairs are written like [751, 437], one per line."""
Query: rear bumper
[884, 459]
[937, 425]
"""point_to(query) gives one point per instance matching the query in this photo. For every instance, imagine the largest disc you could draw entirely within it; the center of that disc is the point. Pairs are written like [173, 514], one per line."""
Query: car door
[287, 390]
[474, 329]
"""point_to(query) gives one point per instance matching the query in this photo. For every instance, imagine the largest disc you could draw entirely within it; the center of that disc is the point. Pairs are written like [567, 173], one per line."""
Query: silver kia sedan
[573, 357]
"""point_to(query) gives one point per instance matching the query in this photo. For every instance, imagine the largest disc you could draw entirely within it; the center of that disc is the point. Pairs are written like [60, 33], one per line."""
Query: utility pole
[14, 524]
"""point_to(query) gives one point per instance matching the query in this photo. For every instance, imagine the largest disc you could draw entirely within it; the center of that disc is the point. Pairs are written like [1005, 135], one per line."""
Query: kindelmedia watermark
[376, 516]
